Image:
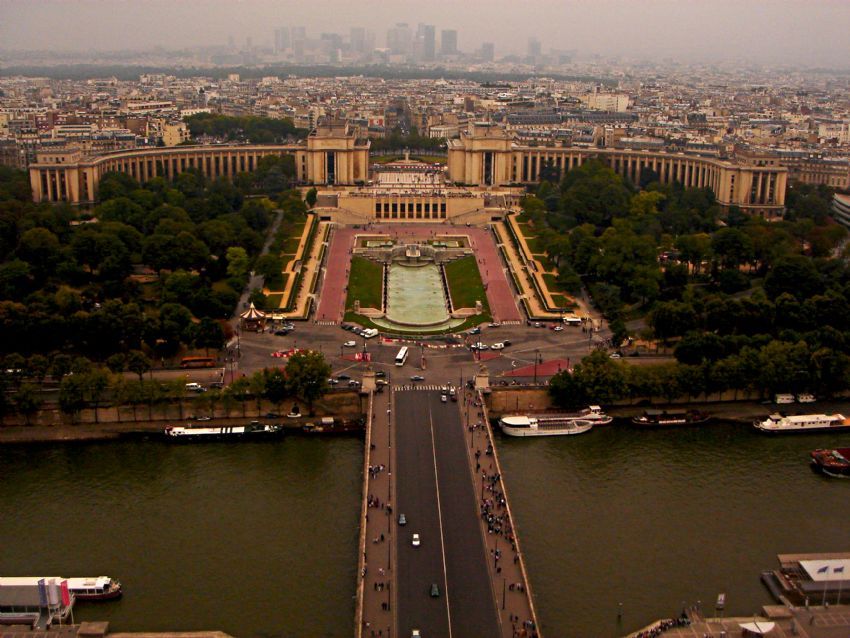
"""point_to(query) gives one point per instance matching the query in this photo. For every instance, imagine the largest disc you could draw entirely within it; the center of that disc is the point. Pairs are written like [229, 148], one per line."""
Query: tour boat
[833, 462]
[100, 588]
[554, 425]
[670, 418]
[254, 430]
[778, 424]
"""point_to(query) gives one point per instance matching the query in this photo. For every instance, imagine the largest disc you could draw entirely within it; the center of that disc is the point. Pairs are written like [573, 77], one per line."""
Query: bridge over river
[434, 462]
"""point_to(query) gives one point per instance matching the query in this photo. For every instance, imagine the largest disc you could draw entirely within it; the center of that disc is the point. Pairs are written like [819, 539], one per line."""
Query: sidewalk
[518, 264]
[375, 611]
[511, 588]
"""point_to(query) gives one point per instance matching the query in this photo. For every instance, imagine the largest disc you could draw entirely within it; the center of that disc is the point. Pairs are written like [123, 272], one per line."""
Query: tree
[794, 275]
[208, 334]
[60, 366]
[138, 363]
[672, 319]
[311, 197]
[307, 376]
[97, 382]
[275, 386]
[237, 262]
[37, 367]
[72, 395]
[28, 400]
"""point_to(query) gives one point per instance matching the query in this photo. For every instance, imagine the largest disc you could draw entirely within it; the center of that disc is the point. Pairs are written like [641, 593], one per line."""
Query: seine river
[260, 539]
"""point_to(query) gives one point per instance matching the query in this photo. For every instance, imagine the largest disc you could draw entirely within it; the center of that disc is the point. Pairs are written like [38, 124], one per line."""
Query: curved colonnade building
[486, 157]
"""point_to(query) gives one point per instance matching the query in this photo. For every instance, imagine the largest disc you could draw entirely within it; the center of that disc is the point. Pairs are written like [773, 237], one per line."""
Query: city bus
[197, 362]
[401, 357]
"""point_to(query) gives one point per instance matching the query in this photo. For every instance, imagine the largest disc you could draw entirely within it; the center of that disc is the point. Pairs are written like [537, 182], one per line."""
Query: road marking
[440, 519]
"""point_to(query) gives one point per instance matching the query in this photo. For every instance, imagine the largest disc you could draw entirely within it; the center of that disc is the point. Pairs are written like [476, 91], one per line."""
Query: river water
[256, 539]
[260, 539]
[655, 518]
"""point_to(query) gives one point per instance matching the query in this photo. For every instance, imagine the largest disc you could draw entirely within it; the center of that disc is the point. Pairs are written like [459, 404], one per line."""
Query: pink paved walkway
[544, 369]
[499, 294]
[332, 301]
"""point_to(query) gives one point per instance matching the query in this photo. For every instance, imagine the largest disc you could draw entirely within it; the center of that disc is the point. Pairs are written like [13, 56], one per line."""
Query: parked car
[806, 398]
[195, 387]
[474, 331]
[380, 373]
[494, 324]
[615, 355]
[343, 377]
[332, 381]
[498, 346]
[353, 383]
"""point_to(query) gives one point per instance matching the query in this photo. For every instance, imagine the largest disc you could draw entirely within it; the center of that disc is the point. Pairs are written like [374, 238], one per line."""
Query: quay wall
[361, 543]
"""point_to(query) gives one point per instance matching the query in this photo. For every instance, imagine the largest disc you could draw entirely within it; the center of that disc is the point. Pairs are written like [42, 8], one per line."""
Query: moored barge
[251, 431]
[800, 423]
[670, 418]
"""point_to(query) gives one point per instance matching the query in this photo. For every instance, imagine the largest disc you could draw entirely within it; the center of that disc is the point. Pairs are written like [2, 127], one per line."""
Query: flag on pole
[42, 593]
[66, 594]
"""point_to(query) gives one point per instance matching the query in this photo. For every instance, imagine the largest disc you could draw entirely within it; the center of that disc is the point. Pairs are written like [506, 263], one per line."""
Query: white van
[369, 333]
[195, 387]
[784, 398]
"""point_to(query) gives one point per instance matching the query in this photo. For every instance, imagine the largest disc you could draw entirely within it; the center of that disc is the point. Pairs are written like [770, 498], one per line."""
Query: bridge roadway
[434, 490]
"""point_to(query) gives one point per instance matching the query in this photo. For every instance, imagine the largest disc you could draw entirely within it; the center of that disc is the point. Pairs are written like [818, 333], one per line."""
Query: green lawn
[552, 283]
[563, 302]
[465, 284]
[545, 262]
[290, 245]
[535, 245]
[364, 283]
[278, 282]
[273, 300]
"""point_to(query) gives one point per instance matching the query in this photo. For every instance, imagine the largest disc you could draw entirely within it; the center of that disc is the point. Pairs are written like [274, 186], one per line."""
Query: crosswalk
[417, 386]
[326, 323]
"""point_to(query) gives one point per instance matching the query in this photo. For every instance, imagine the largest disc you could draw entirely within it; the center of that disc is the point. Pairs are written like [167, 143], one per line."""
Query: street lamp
[536, 358]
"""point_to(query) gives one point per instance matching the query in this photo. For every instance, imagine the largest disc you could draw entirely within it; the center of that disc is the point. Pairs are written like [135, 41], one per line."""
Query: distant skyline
[808, 32]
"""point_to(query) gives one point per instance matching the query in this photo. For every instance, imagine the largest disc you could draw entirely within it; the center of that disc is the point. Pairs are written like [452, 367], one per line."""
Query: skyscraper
[535, 49]
[357, 35]
[281, 39]
[400, 39]
[488, 51]
[427, 33]
[448, 42]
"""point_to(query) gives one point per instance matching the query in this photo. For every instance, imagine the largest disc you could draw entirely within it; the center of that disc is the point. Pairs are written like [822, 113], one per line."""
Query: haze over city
[804, 32]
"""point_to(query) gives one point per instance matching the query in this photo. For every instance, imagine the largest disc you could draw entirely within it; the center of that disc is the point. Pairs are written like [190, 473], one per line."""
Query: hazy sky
[809, 31]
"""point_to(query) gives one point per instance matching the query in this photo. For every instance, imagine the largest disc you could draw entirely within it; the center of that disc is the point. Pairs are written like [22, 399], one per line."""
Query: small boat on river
[670, 418]
[800, 423]
[252, 431]
[832, 462]
[99, 588]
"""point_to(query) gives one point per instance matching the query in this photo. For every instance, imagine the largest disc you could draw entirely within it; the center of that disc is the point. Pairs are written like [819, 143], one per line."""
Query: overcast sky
[811, 32]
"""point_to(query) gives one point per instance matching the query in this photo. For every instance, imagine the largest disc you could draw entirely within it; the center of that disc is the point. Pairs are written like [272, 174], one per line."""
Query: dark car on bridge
[435, 590]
